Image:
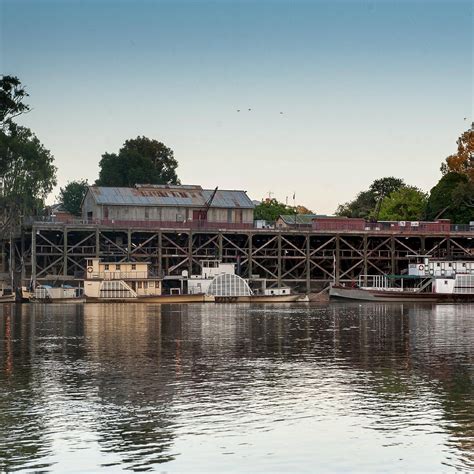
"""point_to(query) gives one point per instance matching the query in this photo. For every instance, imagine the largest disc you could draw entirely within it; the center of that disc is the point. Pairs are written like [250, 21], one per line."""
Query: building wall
[161, 213]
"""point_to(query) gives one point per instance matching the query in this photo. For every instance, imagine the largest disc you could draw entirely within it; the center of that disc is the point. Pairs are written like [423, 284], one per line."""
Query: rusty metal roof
[186, 196]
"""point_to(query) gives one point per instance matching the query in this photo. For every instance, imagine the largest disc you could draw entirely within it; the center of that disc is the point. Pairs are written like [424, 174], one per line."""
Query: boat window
[450, 264]
[145, 284]
[117, 267]
[139, 285]
[106, 266]
[438, 264]
[134, 267]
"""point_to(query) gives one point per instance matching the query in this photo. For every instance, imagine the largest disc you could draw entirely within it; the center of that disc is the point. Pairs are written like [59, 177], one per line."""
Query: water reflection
[226, 387]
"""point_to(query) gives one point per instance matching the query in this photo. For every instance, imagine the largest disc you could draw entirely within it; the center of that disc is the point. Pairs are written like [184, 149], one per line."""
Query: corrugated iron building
[166, 203]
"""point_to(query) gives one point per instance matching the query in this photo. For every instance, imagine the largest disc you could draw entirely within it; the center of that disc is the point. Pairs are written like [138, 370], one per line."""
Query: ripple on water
[227, 387]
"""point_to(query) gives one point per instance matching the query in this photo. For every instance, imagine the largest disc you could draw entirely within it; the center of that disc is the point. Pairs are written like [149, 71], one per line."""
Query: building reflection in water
[127, 382]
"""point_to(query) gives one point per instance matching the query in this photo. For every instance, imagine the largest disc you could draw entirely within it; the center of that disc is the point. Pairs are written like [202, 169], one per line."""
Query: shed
[166, 203]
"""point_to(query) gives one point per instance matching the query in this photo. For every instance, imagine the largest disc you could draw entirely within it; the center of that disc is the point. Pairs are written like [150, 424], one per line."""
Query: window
[147, 213]
[106, 267]
[117, 267]
[139, 285]
[134, 267]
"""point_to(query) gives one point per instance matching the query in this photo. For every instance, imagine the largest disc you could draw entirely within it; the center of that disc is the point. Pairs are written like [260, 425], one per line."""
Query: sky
[341, 92]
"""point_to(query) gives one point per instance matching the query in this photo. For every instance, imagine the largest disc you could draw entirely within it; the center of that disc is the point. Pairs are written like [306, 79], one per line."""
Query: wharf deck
[304, 259]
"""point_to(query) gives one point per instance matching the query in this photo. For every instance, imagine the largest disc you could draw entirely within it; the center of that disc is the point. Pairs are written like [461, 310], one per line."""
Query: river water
[219, 388]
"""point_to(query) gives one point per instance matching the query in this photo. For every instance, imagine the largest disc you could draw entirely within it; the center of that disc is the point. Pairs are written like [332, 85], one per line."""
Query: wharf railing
[372, 227]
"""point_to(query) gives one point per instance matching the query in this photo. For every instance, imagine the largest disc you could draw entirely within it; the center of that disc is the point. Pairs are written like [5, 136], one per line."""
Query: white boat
[6, 293]
[61, 294]
[219, 281]
[430, 281]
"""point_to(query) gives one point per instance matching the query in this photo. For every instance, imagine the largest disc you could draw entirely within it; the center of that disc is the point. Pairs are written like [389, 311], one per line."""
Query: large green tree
[139, 161]
[452, 198]
[405, 204]
[271, 209]
[29, 176]
[364, 205]
[72, 194]
[27, 171]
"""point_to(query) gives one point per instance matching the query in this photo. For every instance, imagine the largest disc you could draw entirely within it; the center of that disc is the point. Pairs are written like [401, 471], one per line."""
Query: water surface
[212, 388]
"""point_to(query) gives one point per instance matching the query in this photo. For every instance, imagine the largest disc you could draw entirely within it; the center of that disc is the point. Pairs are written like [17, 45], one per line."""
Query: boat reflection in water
[246, 387]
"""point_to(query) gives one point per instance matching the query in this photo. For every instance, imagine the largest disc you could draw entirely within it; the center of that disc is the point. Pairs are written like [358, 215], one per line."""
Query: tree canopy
[272, 209]
[71, 196]
[139, 161]
[29, 176]
[365, 203]
[27, 171]
[406, 204]
[452, 198]
[462, 161]
[12, 94]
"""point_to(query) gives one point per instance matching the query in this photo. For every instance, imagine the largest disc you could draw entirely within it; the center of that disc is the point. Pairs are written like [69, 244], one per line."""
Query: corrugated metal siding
[169, 196]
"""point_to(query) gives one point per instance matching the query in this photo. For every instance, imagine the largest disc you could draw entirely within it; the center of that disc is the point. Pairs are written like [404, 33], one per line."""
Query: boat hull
[359, 294]
[159, 299]
[57, 300]
[260, 299]
[7, 299]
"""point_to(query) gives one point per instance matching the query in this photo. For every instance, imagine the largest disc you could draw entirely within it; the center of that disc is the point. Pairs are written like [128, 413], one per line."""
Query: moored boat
[431, 281]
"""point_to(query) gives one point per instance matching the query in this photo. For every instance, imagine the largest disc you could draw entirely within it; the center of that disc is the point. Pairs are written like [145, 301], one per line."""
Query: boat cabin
[119, 280]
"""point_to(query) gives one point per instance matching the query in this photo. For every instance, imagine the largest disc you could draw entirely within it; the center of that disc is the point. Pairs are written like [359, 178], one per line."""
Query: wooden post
[366, 264]
[33, 254]
[97, 243]
[393, 261]
[308, 263]
[279, 258]
[220, 249]
[250, 250]
[337, 260]
[65, 251]
[160, 254]
[190, 252]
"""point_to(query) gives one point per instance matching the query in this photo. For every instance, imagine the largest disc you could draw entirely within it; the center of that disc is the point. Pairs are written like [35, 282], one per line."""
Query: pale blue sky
[367, 88]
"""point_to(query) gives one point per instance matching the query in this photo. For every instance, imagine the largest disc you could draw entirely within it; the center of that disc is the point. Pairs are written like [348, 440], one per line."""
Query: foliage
[139, 161]
[365, 203]
[452, 198]
[71, 196]
[302, 210]
[462, 161]
[271, 209]
[12, 94]
[406, 204]
[383, 187]
[29, 175]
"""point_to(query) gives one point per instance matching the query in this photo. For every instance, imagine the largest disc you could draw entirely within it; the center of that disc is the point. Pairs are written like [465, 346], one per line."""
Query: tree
[12, 94]
[29, 176]
[452, 198]
[462, 161]
[139, 161]
[271, 209]
[406, 204]
[303, 210]
[362, 206]
[71, 196]
[365, 203]
[385, 186]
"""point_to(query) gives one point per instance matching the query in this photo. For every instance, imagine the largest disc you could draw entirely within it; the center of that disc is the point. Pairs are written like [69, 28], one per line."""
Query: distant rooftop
[300, 219]
[170, 195]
